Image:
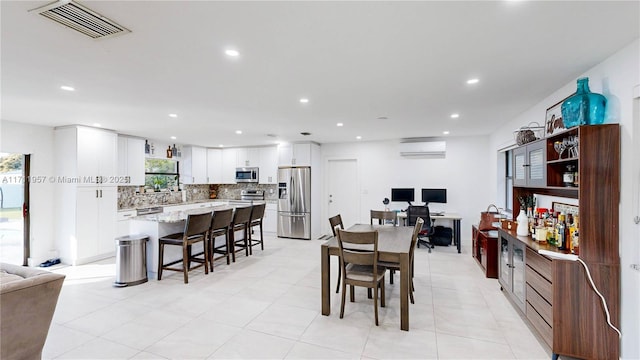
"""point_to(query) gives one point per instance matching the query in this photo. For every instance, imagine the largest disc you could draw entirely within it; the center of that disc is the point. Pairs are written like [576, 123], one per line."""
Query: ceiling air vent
[79, 18]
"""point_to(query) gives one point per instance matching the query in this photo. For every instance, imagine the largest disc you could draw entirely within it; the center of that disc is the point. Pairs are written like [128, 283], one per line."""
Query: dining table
[394, 244]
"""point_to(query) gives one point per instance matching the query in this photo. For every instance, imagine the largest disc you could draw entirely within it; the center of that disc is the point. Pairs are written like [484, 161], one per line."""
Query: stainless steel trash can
[131, 260]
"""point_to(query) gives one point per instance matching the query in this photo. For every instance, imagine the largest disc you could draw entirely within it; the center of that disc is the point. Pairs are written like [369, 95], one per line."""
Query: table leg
[325, 266]
[456, 231]
[405, 281]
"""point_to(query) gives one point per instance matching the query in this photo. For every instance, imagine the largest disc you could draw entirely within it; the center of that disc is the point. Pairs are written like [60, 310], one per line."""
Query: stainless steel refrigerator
[294, 202]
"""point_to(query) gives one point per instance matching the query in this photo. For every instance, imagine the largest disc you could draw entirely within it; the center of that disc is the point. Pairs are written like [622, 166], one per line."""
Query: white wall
[37, 141]
[616, 78]
[380, 167]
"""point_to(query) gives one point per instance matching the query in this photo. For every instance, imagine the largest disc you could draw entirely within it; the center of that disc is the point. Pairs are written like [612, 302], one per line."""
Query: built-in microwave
[247, 174]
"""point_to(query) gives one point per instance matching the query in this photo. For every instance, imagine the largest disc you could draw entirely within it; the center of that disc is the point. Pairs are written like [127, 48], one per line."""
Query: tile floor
[268, 306]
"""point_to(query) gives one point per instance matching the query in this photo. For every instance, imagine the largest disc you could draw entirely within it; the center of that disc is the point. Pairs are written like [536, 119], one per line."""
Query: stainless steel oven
[247, 175]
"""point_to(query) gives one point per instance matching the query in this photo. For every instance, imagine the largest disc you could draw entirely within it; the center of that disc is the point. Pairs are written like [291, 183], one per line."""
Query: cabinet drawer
[540, 304]
[540, 264]
[546, 332]
[540, 284]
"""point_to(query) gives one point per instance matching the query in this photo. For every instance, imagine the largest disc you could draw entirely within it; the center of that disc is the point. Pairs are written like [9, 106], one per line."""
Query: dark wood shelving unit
[579, 325]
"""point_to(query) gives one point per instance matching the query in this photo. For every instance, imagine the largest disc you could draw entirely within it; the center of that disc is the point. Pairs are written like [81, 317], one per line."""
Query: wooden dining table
[394, 243]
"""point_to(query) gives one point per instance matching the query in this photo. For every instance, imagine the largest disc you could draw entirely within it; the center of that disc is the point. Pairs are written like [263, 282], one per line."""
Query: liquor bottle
[560, 232]
[147, 148]
[575, 241]
[169, 152]
[174, 151]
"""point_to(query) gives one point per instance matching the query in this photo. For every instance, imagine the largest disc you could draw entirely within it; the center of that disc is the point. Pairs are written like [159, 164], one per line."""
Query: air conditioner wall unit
[423, 149]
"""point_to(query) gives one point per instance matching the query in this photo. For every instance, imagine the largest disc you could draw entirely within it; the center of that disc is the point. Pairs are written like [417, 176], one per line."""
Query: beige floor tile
[456, 347]
[249, 344]
[285, 321]
[99, 349]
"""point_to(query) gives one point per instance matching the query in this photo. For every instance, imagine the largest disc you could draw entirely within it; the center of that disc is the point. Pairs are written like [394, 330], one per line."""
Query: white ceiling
[355, 61]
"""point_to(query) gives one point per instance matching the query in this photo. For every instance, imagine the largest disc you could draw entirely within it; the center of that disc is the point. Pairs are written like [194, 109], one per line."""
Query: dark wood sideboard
[485, 250]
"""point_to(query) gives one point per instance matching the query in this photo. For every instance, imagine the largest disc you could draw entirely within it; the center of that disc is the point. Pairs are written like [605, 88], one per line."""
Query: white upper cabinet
[89, 154]
[214, 166]
[131, 160]
[294, 154]
[194, 165]
[248, 157]
[229, 160]
[268, 165]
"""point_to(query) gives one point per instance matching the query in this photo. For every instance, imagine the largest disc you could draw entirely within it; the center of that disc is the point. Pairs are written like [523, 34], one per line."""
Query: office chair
[415, 212]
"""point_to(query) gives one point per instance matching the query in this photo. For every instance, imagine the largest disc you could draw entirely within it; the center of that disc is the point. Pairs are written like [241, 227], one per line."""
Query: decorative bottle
[523, 223]
[147, 147]
[169, 152]
[583, 107]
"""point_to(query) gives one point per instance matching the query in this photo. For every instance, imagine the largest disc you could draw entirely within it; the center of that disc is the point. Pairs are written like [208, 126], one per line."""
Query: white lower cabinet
[95, 224]
[270, 220]
[123, 221]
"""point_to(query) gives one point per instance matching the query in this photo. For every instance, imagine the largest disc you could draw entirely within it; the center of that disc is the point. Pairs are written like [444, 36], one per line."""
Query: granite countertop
[270, 201]
[177, 216]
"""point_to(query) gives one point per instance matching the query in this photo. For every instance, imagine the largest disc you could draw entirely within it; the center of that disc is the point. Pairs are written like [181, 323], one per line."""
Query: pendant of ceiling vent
[80, 18]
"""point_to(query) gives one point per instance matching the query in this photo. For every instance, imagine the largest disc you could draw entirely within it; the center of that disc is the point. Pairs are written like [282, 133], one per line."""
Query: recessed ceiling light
[473, 81]
[455, 115]
[173, 138]
[358, 137]
[304, 100]
[238, 132]
[67, 88]
[232, 53]
[445, 132]
[339, 124]
[97, 125]
[220, 145]
[173, 115]
[382, 118]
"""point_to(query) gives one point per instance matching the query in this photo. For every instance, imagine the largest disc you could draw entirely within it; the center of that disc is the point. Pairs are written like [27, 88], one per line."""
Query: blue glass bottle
[583, 107]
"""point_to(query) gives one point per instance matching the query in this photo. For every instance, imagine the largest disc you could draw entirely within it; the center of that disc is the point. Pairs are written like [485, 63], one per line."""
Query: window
[508, 181]
[161, 174]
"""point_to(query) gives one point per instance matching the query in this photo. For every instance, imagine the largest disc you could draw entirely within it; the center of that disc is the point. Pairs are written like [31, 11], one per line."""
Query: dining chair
[359, 263]
[196, 229]
[257, 213]
[393, 266]
[336, 221]
[220, 227]
[383, 216]
[240, 222]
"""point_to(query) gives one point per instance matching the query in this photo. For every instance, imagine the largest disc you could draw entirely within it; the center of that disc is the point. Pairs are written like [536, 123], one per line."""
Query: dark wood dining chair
[257, 213]
[393, 266]
[359, 263]
[240, 222]
[336, 221]
[220, 227]
[196, 229]
[383, 216]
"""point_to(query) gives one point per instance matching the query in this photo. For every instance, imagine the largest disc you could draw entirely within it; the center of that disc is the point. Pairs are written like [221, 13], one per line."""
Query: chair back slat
[197, 224]
[382, 216]
[257, 212]
[414, 237]
[335, 221]
[358, 247]
[221, 219]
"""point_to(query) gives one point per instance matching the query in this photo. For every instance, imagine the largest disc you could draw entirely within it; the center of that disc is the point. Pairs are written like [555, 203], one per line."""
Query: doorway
[14, 208]
[342, 191]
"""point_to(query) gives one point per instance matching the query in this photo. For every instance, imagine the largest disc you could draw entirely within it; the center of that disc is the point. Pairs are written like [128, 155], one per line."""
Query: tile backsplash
[130, 198]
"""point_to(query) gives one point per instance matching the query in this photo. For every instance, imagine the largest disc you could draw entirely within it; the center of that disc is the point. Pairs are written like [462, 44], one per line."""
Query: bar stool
[241, 218]
[219, 227]
[196, 229]
[257, 213]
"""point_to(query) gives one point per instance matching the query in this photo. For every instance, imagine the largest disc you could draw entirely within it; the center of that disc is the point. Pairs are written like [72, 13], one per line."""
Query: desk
[394, 243]
[402, 215]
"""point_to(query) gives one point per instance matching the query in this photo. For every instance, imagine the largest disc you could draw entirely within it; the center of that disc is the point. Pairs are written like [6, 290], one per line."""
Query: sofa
[28, 298]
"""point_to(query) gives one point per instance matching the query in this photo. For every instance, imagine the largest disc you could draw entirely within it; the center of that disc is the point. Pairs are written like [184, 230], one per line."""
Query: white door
[343, 193]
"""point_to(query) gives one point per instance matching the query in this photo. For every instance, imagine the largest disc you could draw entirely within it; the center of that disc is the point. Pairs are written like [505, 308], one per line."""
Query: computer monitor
[434, 196]
[403, 194]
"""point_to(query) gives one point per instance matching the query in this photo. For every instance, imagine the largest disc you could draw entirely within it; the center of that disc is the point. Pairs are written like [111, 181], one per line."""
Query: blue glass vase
[583, 107]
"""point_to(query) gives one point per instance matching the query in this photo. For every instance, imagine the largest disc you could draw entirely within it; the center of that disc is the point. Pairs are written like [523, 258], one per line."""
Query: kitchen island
[158, 225]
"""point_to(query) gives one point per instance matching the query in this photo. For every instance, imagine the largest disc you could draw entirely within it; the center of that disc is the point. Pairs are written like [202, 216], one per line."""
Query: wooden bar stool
[257, 213]
[219, 227]
[241, 218]
[196, 229]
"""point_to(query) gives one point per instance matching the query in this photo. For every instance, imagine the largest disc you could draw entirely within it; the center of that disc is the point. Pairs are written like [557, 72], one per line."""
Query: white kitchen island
[156, 226]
